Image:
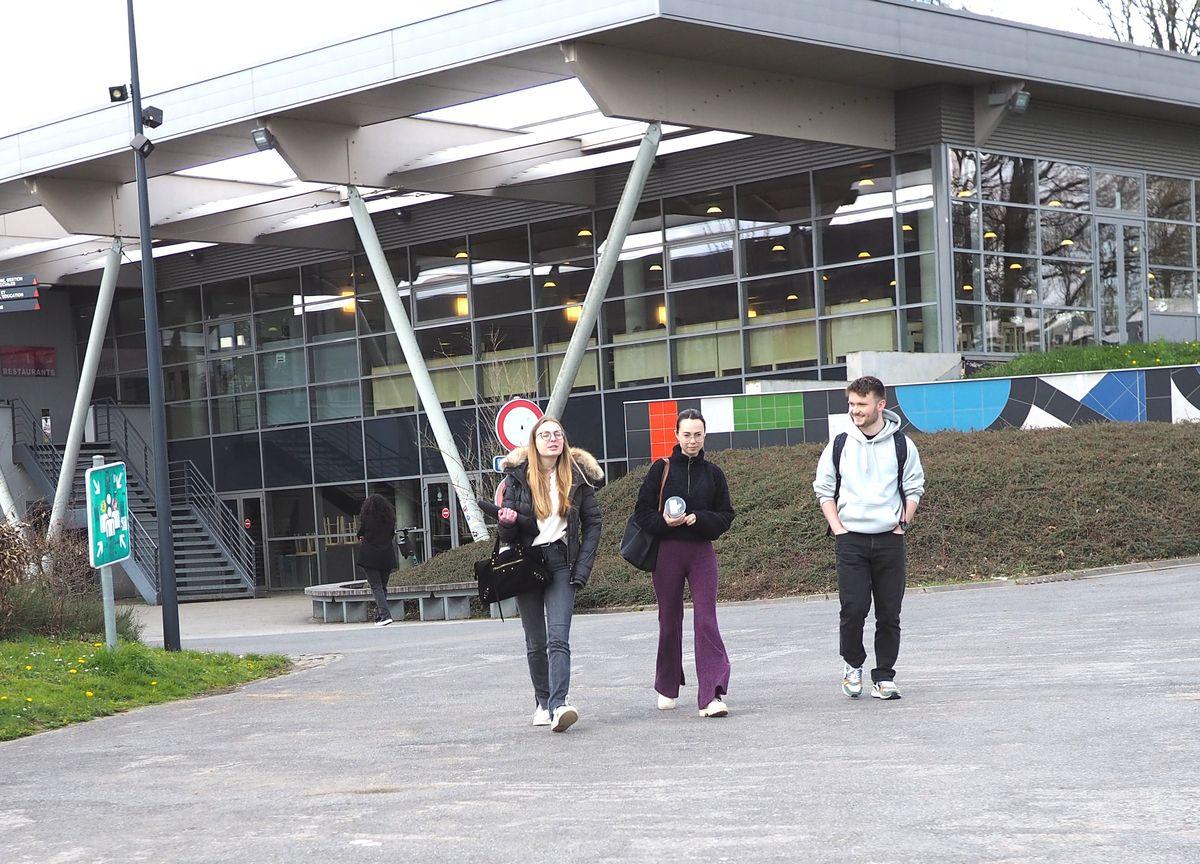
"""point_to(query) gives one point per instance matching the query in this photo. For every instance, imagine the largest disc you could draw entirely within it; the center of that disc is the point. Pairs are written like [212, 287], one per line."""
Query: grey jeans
[546, 617]
[378, 580]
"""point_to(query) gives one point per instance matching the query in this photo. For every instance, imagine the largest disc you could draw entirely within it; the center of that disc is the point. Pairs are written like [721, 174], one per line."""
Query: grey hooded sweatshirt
[869, 502]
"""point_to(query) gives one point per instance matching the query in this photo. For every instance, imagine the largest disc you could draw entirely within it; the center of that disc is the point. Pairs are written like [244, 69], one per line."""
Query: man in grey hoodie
[870, 482]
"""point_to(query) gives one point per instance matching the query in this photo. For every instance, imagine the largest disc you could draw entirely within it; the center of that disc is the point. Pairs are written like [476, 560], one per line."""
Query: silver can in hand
[674, 507]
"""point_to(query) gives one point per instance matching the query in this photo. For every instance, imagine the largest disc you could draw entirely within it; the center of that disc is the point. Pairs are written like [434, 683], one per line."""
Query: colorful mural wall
[1169, 395]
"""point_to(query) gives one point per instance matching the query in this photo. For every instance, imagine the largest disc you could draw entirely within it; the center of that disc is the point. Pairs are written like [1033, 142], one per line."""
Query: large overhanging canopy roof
[524, 99]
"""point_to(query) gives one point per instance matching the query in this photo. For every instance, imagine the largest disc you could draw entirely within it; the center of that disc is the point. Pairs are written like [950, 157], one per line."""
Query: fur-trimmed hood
[586, 466]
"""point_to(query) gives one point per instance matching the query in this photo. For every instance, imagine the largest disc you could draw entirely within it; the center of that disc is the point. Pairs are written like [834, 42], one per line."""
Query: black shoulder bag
[515, 570]
[638, 546]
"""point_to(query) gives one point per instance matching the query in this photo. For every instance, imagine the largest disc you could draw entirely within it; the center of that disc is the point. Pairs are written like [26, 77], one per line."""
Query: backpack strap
[901, 457]
[839, 444]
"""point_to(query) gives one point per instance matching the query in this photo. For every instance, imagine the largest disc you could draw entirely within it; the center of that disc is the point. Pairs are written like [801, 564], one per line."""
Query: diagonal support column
[598, 288]
[416, 365]
[83, 396]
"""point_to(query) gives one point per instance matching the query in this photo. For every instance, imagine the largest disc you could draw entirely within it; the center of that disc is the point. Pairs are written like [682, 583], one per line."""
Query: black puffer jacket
[377, 543]
[701, 485]
[583, 522]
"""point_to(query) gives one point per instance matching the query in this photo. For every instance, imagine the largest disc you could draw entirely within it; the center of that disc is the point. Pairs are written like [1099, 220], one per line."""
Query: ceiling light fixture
[461, 255]
[906, 228]
[118, 93]
[263, 139]
[866, 181]
[752, 313]
[573, 313]
[778, 247]
[714, 210]
[1014, 266]
[990, 235]
[662, 315]
[655, 268]
[584, 232]
[462, 307]
[864, 255]
[793, 297]
[968, 287]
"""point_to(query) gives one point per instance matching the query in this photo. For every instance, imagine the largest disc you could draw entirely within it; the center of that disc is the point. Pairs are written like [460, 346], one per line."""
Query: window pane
[964, 173]
[338, 508]
[1064, 327]
[500, 294]
[131, 352]
[786, 346]
[187, 419]
[920, 329]
[784, 298]
[499, 250]
[1009, 280]
[855, 238]
[1172, 291]
[1170, 245]
[781, 199]
[555, 327]
[854, 289]
[135, 389]
[237, 462]
[338, 454]
[638, 318]
[504, 379]
[281, 328]
[1066, 284]
[181, 344]
[1063, 185]
[702, 309]
[278, 290]
[338, 362]
[1067, 235]
[701, 214]
[328, 300]
[916, 228]
[226, 299]
[392, 450]
[630, 365]
[232, 375]
[179, 307]
[701, 261]
[235, 414]
[287, 460]
[589, 372]
[1013, 329]
[229, 336]
[562, 239]
[281, 369]
[854, 188]
[1007, 178]
[561, 284]
[714, 356]
[968, 278]
[290, 513]
[859, 333]
[373, 316]
[1119, 192]
[914, 177]
[442, 301]
[184, 382]
[382, 354]
[918, 279]
[777, 250]
[389, 394]
[1168, 198]
[506, 354]
[441, 346]
[284, 407]
[1009, 229]
[968, 324]
[336, 401]
[293, 563]
[637, 272]
[645, 229]
[964, 218]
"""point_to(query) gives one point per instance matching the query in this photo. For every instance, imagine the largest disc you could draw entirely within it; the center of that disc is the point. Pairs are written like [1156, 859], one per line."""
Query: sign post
[108, 531]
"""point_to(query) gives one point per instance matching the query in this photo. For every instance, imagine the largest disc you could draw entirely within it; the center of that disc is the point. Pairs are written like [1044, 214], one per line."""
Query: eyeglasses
[551, 436]
[692, 436]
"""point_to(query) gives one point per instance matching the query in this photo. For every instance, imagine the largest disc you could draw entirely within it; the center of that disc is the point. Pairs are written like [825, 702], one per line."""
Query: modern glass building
[957, 225]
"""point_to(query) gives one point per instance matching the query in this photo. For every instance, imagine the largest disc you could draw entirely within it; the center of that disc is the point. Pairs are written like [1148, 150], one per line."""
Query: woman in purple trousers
[685, 552]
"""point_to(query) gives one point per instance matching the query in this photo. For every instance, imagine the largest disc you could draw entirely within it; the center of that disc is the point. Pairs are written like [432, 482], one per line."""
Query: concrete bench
[347, 602]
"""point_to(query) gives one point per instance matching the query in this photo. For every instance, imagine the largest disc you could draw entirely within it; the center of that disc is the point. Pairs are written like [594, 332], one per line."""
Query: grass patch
[1093, 358]
[48, 683]
[999, 504]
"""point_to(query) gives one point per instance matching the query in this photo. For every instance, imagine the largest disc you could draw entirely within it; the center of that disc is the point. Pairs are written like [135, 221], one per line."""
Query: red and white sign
[515, 421]
[28, 361]
[445, 512]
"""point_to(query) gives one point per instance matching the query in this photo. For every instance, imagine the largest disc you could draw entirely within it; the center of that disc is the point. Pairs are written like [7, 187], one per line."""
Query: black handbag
[510, 572]
[638, 546]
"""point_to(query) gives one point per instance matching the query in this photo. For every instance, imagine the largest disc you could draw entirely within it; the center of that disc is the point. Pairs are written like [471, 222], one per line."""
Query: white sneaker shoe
[852, 681]
[885, 690]
[564, 718]
[383, 622]
[715, 708]
[541, 717]
[665, 703]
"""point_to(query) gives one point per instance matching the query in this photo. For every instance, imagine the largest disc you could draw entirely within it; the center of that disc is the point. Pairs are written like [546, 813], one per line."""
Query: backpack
[839, 444]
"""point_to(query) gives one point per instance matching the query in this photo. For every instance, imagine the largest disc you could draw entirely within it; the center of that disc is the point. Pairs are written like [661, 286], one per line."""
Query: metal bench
[347, 602]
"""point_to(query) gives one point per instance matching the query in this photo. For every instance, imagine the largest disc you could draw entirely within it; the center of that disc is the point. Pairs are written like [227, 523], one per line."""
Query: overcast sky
[61, 55]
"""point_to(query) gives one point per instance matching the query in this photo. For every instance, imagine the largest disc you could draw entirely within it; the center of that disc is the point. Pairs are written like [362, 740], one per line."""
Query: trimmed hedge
[999, 504]
[1096, 358]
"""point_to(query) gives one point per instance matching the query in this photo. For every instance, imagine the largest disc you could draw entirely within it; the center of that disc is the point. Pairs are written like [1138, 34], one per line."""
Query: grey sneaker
[852, 681]
[885, 690]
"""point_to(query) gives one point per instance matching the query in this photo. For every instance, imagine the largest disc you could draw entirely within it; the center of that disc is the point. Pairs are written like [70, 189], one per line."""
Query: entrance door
[445, 526]
[248, 510]
[1122, 283]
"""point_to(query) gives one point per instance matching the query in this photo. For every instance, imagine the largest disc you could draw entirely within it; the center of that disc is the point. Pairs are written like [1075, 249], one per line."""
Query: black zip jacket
[583, 520]
[701, 485]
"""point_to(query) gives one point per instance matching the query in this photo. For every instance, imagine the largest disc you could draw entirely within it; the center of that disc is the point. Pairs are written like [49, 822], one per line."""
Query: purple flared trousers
[697, 563]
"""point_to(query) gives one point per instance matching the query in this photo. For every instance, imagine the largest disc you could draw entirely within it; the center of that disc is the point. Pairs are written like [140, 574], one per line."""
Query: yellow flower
[97, 644]
[28, 699]
[89, 694]
[73, 671]
[1134, 362]
[80, 659]
[153, 683]
[3, 698]
[27, 668]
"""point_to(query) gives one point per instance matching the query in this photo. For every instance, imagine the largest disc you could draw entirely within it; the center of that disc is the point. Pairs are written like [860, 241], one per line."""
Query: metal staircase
[214, 556]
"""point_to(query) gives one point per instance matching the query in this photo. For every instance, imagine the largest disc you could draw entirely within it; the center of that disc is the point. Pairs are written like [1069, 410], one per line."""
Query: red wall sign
[28, 361]
[445, 512]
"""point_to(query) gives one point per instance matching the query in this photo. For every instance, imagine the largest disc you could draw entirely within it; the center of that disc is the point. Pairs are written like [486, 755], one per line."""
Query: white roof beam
[640, 86]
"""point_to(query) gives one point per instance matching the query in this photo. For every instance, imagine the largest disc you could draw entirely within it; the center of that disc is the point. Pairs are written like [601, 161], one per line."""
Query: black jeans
[871, 565]
[378, 580]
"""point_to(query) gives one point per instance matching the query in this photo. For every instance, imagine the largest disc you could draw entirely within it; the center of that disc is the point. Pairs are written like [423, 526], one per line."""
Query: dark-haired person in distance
[377, 551]
[869, 511]
[685, 552]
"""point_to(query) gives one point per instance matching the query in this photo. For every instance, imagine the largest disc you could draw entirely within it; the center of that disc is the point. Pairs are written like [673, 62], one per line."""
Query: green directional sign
[108, 514]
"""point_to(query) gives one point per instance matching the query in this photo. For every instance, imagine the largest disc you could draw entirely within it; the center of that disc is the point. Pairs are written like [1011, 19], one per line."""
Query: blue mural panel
[963, 406]
[1119, 396]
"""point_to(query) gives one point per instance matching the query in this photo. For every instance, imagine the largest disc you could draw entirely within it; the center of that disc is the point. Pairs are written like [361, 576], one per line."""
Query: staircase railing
[188, 484]
[115, 428]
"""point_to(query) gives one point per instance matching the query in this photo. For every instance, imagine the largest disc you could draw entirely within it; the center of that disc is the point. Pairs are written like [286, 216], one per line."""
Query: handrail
[125, 439]
[144, 549]
[27, 430]
[190, 485]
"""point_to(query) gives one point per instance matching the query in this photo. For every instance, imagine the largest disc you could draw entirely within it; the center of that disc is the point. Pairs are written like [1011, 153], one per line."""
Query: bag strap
[839, 444]
[663, 484]
[901, 457]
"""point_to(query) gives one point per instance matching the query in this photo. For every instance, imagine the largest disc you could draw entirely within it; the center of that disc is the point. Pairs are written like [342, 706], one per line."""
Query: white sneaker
[715, 708]
[383, 622]
[885, 690]
[541, 717]
[564, 717]
[665, 703]
[852, 681]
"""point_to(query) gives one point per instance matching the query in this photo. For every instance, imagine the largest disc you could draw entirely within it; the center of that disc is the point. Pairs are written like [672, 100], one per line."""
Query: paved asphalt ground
[1041, 723]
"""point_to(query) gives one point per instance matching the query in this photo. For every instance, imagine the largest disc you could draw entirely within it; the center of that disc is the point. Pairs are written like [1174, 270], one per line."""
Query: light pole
[158, 417]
